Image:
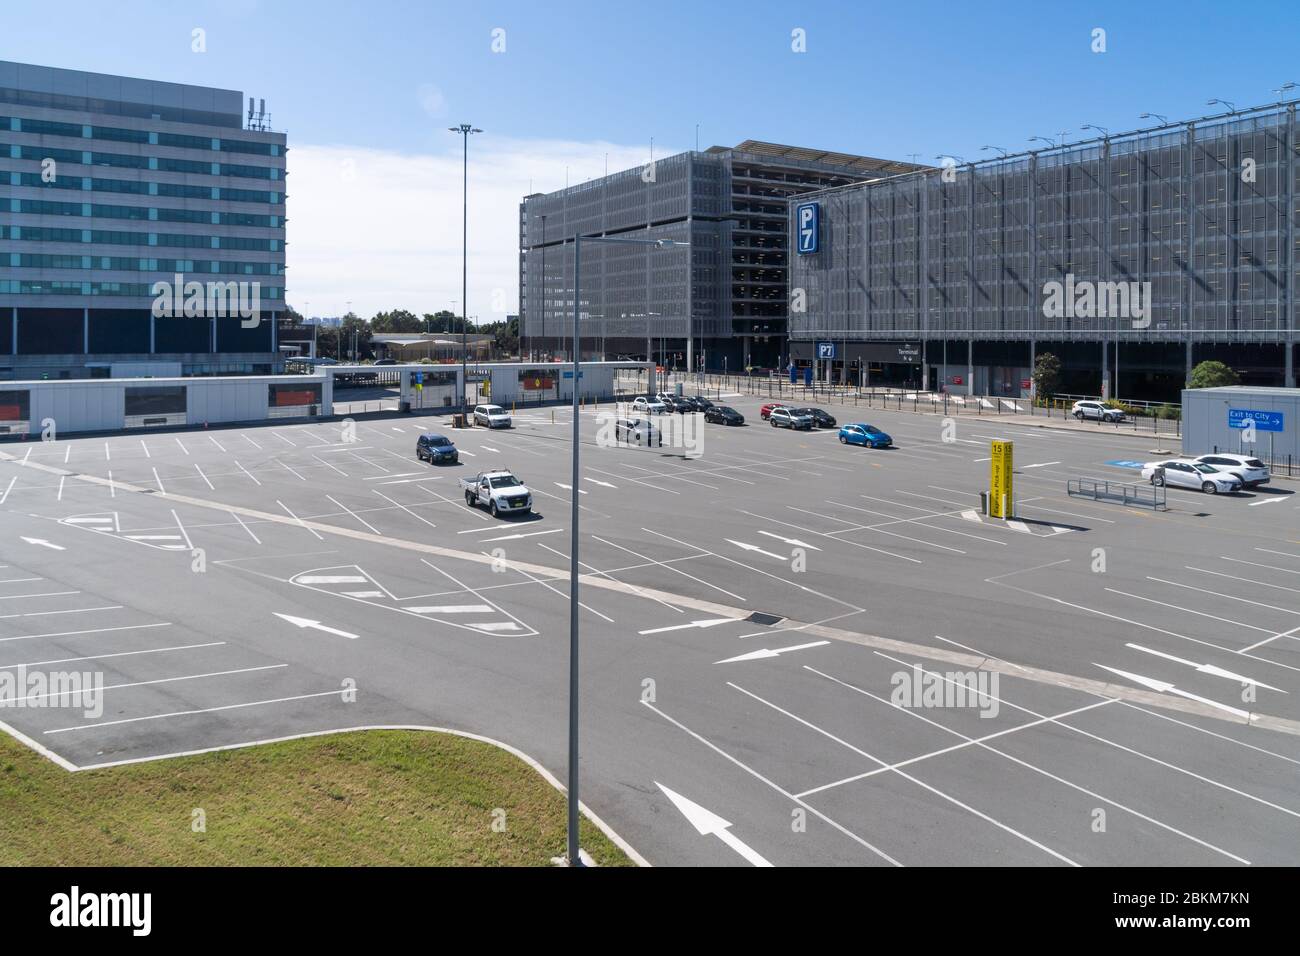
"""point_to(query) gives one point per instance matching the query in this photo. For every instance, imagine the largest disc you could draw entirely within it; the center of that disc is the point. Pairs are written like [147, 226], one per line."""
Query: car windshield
[494, 410]
[872, 430]
[506, 481]
[1206, 469]
[438, 440]
[727, 410]
[805, 411]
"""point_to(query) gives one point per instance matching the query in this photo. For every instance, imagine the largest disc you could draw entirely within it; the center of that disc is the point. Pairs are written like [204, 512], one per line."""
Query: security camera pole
[574, 857]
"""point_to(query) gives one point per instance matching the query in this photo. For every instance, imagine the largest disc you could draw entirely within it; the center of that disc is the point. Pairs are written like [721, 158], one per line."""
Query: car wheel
[843, 440]
[1210, 488]
[1079, 415]
[493, 508]
[1157, 481]
[469, 498]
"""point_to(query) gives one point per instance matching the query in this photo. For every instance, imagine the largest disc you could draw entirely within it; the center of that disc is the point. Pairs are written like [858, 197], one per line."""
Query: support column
[85, 331]
[1187, 371]
[13, 325]
[152, 335]
[1033, 357]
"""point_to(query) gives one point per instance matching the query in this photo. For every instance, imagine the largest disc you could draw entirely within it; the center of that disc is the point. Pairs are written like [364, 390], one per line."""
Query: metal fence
[1095, 489]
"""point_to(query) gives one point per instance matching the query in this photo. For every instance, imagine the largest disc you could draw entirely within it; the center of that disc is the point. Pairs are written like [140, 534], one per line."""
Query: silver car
[789, 418]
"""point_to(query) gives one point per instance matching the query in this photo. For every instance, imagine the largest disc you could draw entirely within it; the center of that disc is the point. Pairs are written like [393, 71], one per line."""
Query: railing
[1139, 496]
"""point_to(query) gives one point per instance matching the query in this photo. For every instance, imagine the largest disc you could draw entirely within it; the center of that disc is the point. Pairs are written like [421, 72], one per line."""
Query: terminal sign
[807, 218]
[1264, 421]
[1000, 501]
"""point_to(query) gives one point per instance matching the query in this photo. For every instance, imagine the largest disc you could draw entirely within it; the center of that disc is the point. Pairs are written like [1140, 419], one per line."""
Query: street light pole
[574, 859]
[465, 129]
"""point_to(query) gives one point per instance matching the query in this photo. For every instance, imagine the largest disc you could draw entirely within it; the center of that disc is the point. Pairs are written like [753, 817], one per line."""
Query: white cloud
[383, 230]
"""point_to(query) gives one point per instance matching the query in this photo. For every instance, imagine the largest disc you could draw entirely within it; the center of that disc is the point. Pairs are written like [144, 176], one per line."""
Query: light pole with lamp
[573, 849]
[464, 129]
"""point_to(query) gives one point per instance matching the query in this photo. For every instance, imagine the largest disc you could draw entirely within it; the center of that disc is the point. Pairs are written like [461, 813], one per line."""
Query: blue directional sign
[826, 350]
[1264, 421]
[807, 217]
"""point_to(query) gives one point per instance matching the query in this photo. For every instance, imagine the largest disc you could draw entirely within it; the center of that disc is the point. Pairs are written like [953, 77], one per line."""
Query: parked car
[1186, 473]
[648, 405]
[788, 418]
[385, 361]
[493, 416]
[701, 403]
[1096, 411]
[436, 449]
[678, 404]
[1251, 471]
[820, 418]
[868, 436]
[498, 491]
[766, 410]
[723, 415]
[637, 431]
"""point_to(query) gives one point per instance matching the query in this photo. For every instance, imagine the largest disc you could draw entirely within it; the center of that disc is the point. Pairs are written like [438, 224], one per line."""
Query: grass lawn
[383, 797]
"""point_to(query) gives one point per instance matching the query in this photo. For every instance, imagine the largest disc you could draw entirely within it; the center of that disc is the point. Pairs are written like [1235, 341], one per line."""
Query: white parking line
[204, 710]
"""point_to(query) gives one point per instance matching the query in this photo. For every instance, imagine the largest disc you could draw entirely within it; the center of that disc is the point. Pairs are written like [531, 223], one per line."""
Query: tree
[1046, 375]
[444, 321]
[1213, 375]
[398, 320]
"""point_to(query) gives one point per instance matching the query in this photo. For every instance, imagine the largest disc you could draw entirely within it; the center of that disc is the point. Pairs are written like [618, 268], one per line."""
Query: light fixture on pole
[1164, 120]
[1218, 102]
[1002, 153]
[464, 129]
[574, 857]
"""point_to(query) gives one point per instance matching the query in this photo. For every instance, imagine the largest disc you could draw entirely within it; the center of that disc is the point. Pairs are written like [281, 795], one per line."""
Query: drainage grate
[758, 617]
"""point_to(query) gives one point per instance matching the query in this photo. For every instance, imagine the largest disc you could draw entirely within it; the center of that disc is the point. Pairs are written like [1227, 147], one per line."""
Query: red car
[766, 410]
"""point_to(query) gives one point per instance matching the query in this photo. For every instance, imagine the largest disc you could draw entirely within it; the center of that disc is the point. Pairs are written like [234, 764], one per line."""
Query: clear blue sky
[885, 79]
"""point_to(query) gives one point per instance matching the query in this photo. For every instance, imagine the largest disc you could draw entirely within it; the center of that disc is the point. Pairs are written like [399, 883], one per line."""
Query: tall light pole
[573, 849]
[464, 129]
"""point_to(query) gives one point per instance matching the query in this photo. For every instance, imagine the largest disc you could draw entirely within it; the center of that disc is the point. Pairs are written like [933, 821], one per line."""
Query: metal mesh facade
[1203, 211]
[730, 204]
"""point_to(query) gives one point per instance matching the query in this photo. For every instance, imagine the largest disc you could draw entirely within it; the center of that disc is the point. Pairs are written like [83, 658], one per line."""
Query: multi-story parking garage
[109, 185]
[1131, 257]
[724, 298]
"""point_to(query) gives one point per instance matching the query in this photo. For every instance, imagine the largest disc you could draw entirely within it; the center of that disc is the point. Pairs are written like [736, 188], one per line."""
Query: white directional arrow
[708, 823]
[766, 652]
[793, 541]
[1211, 669]
[44, 544]
[569, 488]
[314, 625]
[1165, 687]
[754, 547]
[597, 481]
[710, 622]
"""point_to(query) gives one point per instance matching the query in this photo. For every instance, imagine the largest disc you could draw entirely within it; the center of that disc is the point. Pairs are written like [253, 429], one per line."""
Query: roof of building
[803, 154]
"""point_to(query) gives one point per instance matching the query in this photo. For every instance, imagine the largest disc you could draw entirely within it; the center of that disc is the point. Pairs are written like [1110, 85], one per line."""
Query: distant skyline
[366, 93]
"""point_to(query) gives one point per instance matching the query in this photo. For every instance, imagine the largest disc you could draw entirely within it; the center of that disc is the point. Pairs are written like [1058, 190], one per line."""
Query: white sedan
[1186, 473]
[648, 406]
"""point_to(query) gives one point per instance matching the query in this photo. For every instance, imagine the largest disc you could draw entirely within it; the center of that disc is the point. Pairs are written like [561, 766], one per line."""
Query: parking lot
[749, 619]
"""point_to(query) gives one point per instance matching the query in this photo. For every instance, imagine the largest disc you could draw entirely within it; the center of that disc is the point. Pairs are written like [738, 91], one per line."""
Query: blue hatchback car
[435, 449]
[868, 435]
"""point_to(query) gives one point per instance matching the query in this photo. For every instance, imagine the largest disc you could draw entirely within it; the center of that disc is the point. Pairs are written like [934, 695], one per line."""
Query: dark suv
[436, 449]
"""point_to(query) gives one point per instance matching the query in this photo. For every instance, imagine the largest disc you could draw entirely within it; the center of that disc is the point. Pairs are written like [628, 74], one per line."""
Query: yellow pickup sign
[1000, 501]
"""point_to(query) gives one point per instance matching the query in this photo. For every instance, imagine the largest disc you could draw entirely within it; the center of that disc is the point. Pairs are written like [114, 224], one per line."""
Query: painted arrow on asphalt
[754, 547]
[597, 481]
[314, 625]
[44, 544]
[1211, 669]
[1164, 687]
[708, 823]
[569, 488]
[767, 652]
[710, 622]
[793, 541]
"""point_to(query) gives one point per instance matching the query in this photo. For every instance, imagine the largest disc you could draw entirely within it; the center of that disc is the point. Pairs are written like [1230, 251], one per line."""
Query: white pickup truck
[498, 491]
